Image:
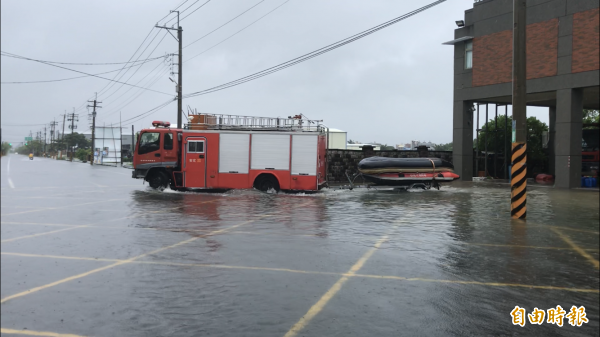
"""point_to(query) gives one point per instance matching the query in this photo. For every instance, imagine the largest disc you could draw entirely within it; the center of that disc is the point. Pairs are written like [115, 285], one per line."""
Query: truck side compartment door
[194, 165]
[169, 149]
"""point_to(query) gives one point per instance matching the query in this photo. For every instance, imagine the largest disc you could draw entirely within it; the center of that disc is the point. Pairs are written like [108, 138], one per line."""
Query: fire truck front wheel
[266, 182]
[158, 180]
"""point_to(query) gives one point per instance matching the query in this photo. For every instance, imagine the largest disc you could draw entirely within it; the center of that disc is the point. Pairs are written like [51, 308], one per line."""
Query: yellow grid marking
[575, 229]
[297, 271]
[576, 247]
[37, 333]
[36, 289]
[41, 234]
[492, 284]
[521, 246]
[317, 307]
[53, 208]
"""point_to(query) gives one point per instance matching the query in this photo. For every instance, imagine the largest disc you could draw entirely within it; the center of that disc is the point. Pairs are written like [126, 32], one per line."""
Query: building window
[468, 54]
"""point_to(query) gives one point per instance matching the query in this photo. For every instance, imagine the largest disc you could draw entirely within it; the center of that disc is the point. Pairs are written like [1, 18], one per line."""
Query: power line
[117, 77]
[312, 54]
[81, 72]
[239, 31]
[173, 10]
[76, 77]
[214, 30]
[159, 42]
[73, 63]
[150, 83]
[195, 10]
[190, 6]
[22, 124]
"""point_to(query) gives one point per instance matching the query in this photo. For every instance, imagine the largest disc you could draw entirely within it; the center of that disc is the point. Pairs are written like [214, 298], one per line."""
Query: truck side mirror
[179, 137]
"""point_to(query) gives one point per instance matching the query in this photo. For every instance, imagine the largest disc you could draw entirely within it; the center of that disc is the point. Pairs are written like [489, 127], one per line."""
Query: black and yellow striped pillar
[518, 182]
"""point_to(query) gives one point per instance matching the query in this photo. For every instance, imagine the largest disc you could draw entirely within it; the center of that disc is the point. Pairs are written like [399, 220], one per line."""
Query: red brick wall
[586, 55]
[492, 58]
[492, 54]
[542, 49]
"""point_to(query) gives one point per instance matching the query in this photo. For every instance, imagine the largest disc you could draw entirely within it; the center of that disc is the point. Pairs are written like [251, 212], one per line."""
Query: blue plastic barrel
[582, 181]
[594, 182]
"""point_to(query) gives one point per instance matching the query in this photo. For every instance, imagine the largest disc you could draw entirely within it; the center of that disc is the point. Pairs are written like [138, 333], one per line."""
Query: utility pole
[94, 126]
[44, 139]
[73, 118]
[63, 132]
[52, 133]
[518, 183]
[179, 83]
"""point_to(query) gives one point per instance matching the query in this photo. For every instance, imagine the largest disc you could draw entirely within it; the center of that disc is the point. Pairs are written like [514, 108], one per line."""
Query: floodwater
[89, 251]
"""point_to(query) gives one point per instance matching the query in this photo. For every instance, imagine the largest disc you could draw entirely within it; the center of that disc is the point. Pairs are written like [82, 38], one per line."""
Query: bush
[82, 154]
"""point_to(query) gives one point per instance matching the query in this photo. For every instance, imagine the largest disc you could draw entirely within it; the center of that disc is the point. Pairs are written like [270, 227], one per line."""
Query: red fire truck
[221, 152]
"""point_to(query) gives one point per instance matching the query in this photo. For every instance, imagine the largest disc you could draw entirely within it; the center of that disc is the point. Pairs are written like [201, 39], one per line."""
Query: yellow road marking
[492, 284]
[36, 289]
[53, 208]
[37, 333]
[576, 247]
[40, 234]
[297, 271]
[317, 307]
[62, 257]
[576, 230]
[521, 246]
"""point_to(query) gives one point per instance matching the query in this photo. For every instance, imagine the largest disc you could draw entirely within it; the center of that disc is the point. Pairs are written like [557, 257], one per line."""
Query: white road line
[10, 182]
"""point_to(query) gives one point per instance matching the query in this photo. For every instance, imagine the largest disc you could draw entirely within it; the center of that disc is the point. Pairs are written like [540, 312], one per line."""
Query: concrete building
[337, 139]
[562, 74]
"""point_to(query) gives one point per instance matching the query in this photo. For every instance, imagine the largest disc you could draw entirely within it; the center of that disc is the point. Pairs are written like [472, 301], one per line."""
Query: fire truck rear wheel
[158, 180]
[266, 182]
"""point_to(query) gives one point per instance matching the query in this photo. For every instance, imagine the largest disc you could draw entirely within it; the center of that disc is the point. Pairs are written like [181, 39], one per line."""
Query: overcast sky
[392, 87]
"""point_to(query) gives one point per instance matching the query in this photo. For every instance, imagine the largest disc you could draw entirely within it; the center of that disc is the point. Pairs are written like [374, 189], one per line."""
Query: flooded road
[88, 251]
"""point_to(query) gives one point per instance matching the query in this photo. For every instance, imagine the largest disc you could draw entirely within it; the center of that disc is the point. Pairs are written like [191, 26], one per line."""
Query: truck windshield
[149, 142]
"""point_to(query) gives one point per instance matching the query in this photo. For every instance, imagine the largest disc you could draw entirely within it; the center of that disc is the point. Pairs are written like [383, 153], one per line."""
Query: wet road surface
[88, 251]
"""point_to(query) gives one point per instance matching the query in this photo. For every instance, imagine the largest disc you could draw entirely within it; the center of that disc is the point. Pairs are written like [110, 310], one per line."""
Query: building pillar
[462, 139]
[569, 114]
[551, 140]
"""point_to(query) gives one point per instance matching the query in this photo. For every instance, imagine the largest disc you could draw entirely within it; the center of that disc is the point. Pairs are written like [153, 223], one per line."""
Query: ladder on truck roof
[242, 123]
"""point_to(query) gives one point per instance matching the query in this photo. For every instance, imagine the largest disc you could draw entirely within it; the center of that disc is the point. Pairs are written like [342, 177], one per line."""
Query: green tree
[535, 129]
[33, 146]
[74, 140]
[82, 154]
[386, 147]
[590, 116]
[5, 148]
[443, 147]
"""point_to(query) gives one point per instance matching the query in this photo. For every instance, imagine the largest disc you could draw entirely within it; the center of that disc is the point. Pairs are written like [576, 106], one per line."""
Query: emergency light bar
[161, 123]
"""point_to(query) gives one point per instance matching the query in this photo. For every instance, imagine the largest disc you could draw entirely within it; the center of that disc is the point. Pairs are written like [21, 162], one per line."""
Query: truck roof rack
[251, 123]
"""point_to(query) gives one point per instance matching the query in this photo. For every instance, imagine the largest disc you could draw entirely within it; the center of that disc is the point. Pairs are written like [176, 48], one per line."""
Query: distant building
[337, 139]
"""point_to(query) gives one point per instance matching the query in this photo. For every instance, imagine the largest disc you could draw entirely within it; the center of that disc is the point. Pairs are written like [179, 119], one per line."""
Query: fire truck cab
[222, 152]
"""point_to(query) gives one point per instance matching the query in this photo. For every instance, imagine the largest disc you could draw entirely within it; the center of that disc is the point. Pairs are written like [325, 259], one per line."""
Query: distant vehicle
[31, 156]
[590, 150]
[221, 152]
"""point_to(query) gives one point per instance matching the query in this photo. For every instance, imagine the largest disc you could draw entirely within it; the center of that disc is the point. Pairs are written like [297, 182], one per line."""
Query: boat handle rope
[433, 164]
